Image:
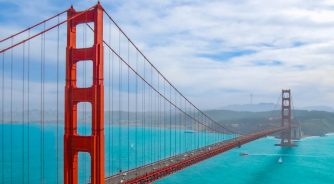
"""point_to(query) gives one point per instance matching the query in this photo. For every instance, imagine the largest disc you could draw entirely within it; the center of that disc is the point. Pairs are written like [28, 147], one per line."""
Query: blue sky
[219, 52]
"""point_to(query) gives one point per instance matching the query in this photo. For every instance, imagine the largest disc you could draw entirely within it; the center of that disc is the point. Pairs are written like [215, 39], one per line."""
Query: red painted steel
[94, 143]
[172, 168]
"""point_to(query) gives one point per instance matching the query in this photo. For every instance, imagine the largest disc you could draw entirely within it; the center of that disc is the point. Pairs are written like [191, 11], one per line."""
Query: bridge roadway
[154, 171]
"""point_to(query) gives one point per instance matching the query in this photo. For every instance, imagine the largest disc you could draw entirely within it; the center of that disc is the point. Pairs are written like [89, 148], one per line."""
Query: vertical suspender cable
[128, 107]
[201, 129]
[141, 86]
[120, 104]
[161, 111]
[162, 120]
[198, 130]
[108, 93]
[180, 124]
[23, 113]
[196, 126]
[161, 114]
[112, 111]
[41, 113]
[136, 131]
[159, 120]
[42, 103]
[109, 106]
[11, 115]
[164, 116]
[3, 119]
[172, 123]
[207, 135]
[44, 106]
[28, 115]
[155, 115]
[193, 124]
[204, 131]
[185, 125]
[57, 115]
[175, 124]
[170, 120]
[112, 106]
[151, 116]
[144, 116]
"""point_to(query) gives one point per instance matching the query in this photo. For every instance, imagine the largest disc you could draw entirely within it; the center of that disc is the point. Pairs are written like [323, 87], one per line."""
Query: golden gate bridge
[133, 124]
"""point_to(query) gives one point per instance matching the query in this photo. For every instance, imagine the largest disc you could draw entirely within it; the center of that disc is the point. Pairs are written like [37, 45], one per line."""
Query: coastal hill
[262, 107]
[313, 123]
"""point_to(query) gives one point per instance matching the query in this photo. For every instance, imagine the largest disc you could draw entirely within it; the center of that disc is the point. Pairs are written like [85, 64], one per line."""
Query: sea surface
[311, 162]
[33, 154]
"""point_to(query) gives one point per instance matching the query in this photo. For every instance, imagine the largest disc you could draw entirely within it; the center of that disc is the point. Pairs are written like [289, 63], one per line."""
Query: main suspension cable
[44, 31]
[31, 27]
[146, 59]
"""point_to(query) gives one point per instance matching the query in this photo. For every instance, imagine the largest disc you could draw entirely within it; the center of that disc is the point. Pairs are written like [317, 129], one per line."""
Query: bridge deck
[157, 170]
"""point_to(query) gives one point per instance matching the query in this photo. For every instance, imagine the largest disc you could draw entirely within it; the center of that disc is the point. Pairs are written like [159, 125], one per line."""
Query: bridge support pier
[73, 142]
[286, 120]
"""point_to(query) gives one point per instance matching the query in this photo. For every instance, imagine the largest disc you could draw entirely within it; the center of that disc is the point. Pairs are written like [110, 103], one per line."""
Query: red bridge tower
[286, 138]
[94, 143]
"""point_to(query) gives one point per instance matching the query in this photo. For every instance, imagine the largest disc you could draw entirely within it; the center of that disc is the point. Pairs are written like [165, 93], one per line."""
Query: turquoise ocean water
[312, 161]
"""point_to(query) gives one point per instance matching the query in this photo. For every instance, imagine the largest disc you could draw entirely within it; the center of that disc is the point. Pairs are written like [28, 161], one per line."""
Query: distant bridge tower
[286, 120]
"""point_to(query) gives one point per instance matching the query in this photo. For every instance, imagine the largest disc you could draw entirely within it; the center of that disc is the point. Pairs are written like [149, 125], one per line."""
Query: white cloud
[297, 34]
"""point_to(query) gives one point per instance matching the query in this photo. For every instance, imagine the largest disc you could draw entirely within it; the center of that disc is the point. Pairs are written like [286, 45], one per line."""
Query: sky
[219, 52]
